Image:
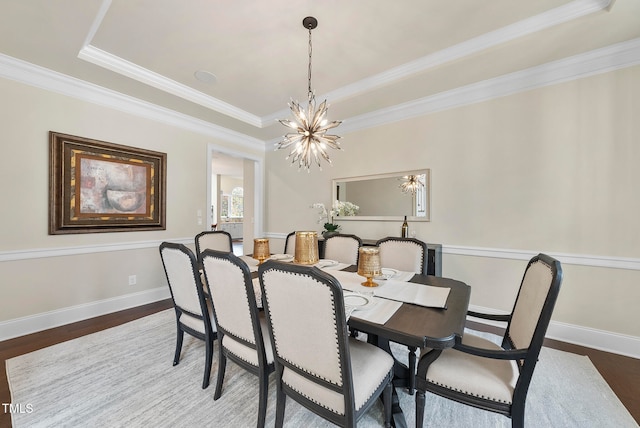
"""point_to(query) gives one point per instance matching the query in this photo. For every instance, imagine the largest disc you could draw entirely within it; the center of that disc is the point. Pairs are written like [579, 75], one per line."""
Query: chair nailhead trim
[468, 393]
[275, 339]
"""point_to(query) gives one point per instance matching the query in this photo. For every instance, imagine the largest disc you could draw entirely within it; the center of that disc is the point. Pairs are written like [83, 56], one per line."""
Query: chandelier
[309, 141]
[411, 184]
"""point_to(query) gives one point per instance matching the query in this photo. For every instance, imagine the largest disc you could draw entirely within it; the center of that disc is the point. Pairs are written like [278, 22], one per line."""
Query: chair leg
[412, 369]
[280, 403]
[419, 408]
[264, 393]
[209, 361]
[222, 367]
[386, 401]
[517, 416]
[179, 337]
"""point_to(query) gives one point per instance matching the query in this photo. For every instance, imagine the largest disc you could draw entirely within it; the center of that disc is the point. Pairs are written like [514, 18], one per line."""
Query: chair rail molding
[565, 258]
[39, 253]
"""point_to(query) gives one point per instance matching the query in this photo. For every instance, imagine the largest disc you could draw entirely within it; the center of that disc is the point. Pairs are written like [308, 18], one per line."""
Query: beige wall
[37, 285]
[553, 170]
[550, 170]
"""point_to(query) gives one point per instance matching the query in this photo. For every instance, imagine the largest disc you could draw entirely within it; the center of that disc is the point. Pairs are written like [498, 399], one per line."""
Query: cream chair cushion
[481, 377]
[248, 354]
[369, 366]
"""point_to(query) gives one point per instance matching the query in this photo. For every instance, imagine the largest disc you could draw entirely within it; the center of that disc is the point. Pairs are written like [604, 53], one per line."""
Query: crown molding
[607, 59]
[553, 17]
[40, 77]
[126, 68]
[559, 15]
[610, 58]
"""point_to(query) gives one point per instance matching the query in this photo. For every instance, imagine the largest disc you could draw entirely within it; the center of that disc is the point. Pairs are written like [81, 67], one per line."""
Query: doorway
[235, 196]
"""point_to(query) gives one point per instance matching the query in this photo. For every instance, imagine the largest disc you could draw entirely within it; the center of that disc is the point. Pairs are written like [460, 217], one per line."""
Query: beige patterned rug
[123, 377]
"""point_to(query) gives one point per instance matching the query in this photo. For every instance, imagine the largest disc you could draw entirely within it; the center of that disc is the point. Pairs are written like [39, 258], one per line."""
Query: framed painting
[95, 186]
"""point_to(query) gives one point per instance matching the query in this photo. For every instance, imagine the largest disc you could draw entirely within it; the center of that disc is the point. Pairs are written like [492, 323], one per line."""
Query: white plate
[357, 300]
[387, 273]
[326, 263]
[281, 257]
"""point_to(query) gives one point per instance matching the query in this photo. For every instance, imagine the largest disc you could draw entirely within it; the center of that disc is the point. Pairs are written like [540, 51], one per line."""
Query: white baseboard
[588, 337]
[583, 336]
[34, 323]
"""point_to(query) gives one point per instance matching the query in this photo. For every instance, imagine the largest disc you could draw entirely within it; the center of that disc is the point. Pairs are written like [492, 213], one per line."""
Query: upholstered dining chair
[290, 244]
[317, 364]
[405, 254]
[242, 329]
[408, 255]
[218, 240]
[342, 248]
[193, 313]
[479, 373]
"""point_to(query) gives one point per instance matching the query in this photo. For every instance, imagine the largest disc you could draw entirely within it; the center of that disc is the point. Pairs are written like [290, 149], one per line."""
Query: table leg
[412, 369]
[401, 377]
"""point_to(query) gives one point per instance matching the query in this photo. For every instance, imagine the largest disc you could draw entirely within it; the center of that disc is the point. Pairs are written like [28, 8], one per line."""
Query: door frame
[258, 202]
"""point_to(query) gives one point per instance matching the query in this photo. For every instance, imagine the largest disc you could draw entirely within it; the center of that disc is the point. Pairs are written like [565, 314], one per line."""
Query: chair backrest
[405, 254]
[535, 301]
[290, 244]
[234, 304]
[532, 312]
[305, 314]
[342, 248]
[218, 240]
[187, 292]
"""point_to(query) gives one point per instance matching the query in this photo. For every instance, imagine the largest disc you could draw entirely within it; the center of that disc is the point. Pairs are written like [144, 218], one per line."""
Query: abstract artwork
[97, 186]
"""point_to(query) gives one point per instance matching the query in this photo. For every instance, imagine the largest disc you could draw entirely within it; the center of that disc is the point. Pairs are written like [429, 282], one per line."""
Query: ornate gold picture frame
[95, 186]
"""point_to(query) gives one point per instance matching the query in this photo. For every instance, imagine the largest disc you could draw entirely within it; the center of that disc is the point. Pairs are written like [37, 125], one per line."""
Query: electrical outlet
[133, 280]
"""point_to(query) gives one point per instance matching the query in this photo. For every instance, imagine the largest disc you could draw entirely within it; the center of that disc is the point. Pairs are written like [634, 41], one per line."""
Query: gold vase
[306, 248]
[369, 265]
[261, 249]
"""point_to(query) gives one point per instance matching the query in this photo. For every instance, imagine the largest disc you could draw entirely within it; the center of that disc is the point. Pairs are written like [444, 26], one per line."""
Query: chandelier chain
[310, 92]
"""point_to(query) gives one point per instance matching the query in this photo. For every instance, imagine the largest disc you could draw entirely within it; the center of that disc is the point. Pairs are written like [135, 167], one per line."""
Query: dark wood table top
[422, 327]
[419, 326]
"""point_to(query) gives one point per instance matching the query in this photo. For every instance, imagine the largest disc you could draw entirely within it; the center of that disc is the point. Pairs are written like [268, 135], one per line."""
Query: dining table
[416, 326]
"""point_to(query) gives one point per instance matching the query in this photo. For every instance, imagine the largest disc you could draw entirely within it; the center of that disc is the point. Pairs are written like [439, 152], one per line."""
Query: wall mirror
[386, 197]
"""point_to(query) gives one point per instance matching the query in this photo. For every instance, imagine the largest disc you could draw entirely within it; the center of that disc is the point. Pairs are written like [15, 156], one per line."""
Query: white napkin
[401, 276]
[419, 294]
[409, 292]
[338, 266]
[251, 262]
[378, 313]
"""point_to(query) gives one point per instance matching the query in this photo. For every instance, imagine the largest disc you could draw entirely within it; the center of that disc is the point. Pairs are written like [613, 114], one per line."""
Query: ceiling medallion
[310, 140]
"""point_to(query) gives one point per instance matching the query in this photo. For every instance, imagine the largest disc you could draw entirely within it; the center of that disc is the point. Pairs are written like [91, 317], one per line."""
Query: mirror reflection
[386, 196]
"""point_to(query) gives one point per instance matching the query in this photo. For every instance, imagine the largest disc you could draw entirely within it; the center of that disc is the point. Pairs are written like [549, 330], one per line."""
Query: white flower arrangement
[345, 208]
[339, 208]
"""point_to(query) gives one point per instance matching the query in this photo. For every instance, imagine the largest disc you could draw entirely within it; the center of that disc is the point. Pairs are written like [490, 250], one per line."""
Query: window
[233, 204]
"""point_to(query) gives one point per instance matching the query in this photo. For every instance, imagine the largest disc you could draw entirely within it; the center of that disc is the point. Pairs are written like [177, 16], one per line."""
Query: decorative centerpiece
[261, 249]
[306, 252]
[340, 208]
[369, 265]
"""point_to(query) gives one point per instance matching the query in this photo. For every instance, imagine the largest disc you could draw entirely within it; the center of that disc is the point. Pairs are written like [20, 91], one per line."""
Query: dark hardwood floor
[621, 373]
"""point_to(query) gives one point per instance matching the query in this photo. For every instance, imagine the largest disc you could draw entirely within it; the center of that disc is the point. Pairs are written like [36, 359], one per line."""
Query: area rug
[123, 377]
